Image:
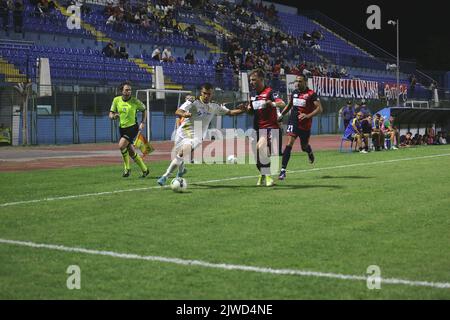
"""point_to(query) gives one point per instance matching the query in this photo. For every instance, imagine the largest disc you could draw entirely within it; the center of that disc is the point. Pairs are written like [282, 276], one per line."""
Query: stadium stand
[245, 36]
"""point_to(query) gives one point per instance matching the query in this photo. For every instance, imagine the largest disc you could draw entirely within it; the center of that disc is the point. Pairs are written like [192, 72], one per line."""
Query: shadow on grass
[346, 177]
[276, 186]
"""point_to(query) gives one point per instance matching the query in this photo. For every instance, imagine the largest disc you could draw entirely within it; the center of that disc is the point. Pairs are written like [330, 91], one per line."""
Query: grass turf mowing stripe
[220, 180]
[226, 266]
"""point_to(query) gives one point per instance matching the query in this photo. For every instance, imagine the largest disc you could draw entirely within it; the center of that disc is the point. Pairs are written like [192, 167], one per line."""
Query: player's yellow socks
[139, 162]
[126, 159]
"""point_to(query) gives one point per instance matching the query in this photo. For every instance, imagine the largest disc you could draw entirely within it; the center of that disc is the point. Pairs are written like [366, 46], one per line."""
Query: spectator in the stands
[18, 16]
[391, 131]
[189, 58]
[377, 133]
[431, 137]
[363, 107]
[315, 45]
[347, 113]
[343, 73]
[366, 125]
[192, 31]
[145, 22]
[316, 72]
[156, 54]
[220, 68]
[276, 69]
[412, 85]
[306, 72]
[442, 138]
[417, 139]
[406, 140]
[109, 9]
[306, 37]
[4, 14]
[409, 139]
[122, 52]
[85, 9]
[167, 55]
[295, 70]
[357, 106]
[317, 34]
[357, 133]
[335, 73]
[432, 88]
[109, 50]
[111, 20]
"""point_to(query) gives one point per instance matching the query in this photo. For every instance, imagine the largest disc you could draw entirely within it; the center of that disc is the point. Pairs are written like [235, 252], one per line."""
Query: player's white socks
[173, 165]
[181, 167]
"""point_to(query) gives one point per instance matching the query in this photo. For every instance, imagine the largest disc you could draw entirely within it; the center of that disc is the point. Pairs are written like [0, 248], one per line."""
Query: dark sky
[424, 28]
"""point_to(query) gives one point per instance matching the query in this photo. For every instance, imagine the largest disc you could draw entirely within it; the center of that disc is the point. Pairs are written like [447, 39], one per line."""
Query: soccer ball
[232, 159]
[178, 185]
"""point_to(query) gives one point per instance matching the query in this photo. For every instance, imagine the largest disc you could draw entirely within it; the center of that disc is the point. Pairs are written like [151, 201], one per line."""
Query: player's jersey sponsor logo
[259, 104]
[202, 113]
[299, 102]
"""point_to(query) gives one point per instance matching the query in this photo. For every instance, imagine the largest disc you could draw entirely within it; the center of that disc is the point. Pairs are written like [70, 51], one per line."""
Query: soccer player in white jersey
[199, 112]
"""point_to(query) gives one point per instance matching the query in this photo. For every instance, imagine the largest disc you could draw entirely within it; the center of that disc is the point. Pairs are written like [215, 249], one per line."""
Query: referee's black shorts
[129, 133]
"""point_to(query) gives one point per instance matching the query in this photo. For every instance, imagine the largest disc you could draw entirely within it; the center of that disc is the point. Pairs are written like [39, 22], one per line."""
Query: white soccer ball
[232, 159]
[178, 185]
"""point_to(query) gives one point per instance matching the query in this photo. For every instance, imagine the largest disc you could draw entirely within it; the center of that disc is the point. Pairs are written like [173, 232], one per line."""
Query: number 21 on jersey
[290, 128]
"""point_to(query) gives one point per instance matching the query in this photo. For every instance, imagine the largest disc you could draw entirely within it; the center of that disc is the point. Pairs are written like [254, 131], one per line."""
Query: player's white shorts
[180, 142]
[183, 138]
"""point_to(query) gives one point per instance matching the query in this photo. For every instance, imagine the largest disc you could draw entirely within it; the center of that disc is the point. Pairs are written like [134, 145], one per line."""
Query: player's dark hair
[259, 73]
[206, 86]
[123, 84]
[303, 76]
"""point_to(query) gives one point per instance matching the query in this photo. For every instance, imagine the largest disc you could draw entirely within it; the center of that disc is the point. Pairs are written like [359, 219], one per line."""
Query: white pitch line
[7, 204]
[225, 266]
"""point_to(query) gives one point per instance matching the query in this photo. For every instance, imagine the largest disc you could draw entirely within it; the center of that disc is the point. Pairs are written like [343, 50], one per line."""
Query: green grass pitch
[338, 219]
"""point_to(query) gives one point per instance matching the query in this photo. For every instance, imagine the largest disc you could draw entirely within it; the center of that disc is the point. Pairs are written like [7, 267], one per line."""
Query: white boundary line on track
[224, 266]
[7, 204]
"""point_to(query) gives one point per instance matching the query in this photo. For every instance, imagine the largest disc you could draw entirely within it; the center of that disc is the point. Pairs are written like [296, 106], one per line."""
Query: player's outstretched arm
[113, 115]
[183, 113]
[239, 110]
[285, 110]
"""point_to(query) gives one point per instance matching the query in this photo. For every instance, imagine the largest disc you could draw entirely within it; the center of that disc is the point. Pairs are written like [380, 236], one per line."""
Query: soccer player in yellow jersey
[125, 108]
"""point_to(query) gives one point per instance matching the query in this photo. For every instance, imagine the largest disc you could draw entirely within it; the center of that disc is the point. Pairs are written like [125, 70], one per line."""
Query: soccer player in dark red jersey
[305, 105]
[265, 105]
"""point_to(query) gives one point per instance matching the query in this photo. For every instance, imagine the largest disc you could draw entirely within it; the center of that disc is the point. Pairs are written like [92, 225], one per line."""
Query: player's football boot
[126, 173]
[311, 157]
[269, 181]
[261, 180]
[145, 173]
[162, 181]
[180, 174]
[282, 175]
